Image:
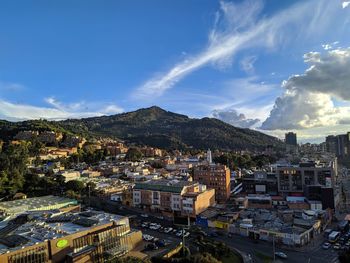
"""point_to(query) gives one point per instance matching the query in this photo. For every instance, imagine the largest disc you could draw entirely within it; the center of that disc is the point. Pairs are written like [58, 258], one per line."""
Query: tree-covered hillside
[159, 128]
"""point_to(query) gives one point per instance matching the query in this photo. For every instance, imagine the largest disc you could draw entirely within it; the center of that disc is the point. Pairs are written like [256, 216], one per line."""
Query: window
[155, 195]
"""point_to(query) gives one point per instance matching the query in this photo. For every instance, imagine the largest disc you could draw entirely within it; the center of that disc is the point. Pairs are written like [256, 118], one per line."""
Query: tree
[129, 260]
[13, 167]
[35, 147]
[32, 184]
[90, 186]
[204, 258]
[75, 185]
[73, 195]
[3, 182]
[133, 154]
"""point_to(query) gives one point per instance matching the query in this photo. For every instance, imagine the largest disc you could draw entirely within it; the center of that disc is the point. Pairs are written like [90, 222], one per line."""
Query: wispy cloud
[247, 64]
[11, 87]
[55, 111]
[238, 27]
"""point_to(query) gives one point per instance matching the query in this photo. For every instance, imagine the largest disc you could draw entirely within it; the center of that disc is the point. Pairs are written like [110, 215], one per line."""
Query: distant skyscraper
[209, 157]
[338, 144]
[291, 138]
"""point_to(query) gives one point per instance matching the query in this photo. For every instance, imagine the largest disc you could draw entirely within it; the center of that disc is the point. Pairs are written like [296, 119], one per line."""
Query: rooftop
[173, 186]
[41, 226]
[35, 203]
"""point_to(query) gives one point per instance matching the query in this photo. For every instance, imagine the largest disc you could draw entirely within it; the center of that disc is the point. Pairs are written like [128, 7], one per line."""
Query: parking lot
[158, 234]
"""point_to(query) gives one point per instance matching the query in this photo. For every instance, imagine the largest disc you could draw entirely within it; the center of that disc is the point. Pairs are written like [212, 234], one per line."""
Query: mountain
[160, 128]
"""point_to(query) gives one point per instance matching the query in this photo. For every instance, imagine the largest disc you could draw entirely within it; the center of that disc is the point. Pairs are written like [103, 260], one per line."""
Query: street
[311, 254]
[315, 255]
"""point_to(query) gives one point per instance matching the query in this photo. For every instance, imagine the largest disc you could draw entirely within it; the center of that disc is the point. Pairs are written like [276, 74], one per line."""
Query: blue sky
[227, 59]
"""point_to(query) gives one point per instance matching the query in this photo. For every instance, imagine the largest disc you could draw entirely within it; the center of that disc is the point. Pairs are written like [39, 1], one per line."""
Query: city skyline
[266, 65]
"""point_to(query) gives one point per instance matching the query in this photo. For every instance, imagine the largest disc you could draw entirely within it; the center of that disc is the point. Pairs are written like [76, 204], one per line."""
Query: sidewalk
[315, 242]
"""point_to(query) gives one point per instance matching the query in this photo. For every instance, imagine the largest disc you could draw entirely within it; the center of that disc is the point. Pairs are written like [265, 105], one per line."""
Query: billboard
[183, 221]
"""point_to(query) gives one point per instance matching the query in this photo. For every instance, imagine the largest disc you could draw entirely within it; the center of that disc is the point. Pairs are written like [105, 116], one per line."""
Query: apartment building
[294, 179]
[260, 182]
[151, 152]
[70, 175]
[173, 197]
[215, 176]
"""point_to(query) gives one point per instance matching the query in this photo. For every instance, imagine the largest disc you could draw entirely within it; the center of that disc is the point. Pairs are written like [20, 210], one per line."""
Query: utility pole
[89, 186]
[273, 245]
[183, 235]
[183, 241]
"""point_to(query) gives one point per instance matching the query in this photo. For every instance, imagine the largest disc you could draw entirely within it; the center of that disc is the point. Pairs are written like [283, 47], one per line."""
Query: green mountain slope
[159, 128]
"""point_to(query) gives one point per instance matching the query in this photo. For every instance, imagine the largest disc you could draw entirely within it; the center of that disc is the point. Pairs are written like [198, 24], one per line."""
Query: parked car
[168, 229]
[281, 255]
[179, 233]
[147, 237]
[154, 226]
[145, 224]
[326, 245]
[144, 215]
[186, 234]
[337, 246]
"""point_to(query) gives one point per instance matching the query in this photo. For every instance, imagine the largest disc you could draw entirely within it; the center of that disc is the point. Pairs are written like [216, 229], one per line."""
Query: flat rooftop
[39, 227]
[35, 203]
[174, 186]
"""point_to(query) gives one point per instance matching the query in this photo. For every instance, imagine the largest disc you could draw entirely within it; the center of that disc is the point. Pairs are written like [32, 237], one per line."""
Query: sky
[272, 65]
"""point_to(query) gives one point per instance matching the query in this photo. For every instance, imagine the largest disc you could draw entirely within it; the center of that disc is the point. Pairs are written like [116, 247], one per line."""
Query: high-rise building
[215, 176]
[342, 145]
[209, 157]
[338, 144]
[291, 138]
[331, 144]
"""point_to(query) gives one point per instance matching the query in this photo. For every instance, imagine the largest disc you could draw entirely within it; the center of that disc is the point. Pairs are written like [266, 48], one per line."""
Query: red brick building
[215, 176]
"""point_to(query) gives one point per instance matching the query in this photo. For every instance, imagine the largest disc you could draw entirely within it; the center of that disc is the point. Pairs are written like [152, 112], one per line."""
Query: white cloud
[330, 46]
[326, 46]
[238, 27]
[112, 109]
[328, 73]
[247, 64]
[65, 107]
[308, 100]
[345, 4]
[57, 111]
[234, 118]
